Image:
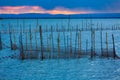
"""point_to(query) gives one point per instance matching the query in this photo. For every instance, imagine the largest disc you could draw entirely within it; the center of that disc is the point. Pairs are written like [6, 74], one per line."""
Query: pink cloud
[38, 9]
[21, 9]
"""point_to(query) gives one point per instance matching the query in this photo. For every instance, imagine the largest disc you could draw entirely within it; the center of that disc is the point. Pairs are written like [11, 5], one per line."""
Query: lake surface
[61, 69]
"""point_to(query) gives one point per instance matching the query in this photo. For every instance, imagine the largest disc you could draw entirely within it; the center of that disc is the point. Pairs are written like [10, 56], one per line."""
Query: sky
[59, 6]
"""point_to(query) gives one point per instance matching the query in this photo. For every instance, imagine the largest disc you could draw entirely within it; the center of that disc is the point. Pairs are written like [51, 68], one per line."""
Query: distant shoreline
[61, 18]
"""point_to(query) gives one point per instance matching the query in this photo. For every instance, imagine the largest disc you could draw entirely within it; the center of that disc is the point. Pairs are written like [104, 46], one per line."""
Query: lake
[64, 37]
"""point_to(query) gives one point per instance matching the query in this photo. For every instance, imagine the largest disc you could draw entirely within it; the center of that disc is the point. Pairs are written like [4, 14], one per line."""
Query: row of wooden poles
[13, 45]
[69, 41]
[63, 28]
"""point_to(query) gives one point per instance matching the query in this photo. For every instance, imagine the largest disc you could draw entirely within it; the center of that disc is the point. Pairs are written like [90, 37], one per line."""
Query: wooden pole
[58, 41]
[41, 41]
[22, 56]
[70, 43]
[52, 39]
[0, 41]
[101, 41]
[92, 44]
[14, 36]
[30, 36]
[69, 23]
[94, 53]
[37, 23]
[107, 44]
[76, 37]
[86, 46]
[114, 52]
[10, 36]
[36, 39]
[64, 40]
[48, 47]
[26, 40]
[79, 44]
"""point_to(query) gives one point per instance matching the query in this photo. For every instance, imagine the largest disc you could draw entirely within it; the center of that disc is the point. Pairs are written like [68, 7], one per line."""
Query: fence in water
[49, 42]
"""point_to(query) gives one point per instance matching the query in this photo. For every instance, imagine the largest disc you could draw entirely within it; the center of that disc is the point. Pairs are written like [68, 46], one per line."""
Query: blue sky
[90, 6]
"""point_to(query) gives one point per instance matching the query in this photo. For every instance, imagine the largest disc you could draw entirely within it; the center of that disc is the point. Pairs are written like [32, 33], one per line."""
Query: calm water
[68, 69]
[61, 69]
[60, 22]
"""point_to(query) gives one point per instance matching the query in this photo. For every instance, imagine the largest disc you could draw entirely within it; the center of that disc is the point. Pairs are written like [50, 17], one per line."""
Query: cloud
[21, 9]
[62, 10]
[57, 10]
[38, 9]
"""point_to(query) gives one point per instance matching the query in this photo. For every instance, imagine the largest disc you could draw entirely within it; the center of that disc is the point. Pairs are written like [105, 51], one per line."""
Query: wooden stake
[69, 23]
[52, 39]
[36, 39]
[70, 43]
[94, 53]
[86, 46]
[30, 36]
[48, 47]
[10, 36]
[22, 56]
[76, 40]
[107, 44]
[79, 44]
[92, 44]
[41, 41]
[26, 40]
[64, 40]
[14, 36]
[101, 42]
[114, 52]
[58, 40]
[0, 41]
[14, 45]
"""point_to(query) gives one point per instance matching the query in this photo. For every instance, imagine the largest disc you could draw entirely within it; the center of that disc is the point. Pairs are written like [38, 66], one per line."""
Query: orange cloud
[61, 10]
[38, 9]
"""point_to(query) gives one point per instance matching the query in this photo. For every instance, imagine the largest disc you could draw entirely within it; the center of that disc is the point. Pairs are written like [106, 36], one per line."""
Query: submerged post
[41, 41]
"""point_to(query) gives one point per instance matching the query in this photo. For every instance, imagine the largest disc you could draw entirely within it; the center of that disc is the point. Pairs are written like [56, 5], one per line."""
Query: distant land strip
[60, 18]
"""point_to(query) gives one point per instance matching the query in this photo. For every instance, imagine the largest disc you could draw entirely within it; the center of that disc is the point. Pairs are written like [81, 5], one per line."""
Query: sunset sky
[59, 6]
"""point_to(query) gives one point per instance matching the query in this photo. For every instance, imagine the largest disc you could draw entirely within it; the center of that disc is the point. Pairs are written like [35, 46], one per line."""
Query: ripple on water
[68, 69]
